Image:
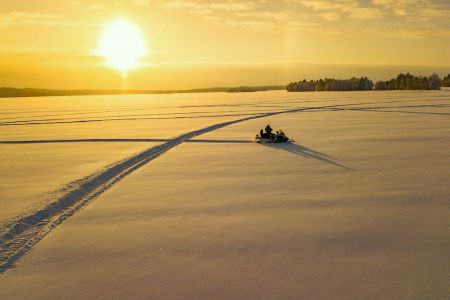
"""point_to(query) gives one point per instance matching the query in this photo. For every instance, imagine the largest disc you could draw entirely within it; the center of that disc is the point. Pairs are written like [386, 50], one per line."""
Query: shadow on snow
[307, 153]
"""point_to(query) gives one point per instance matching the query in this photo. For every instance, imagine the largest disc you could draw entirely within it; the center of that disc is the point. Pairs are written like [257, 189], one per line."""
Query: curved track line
[182, 115]
[22, 234]
[11, 142]
[20, 142]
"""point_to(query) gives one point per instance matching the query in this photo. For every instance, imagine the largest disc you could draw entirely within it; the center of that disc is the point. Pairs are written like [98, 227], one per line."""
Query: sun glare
[122, 45]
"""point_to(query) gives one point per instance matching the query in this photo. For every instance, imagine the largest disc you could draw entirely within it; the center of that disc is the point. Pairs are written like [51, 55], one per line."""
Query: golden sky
[194, 43]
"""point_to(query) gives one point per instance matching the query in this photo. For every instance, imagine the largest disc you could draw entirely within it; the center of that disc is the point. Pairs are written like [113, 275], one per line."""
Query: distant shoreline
[9, 92]
[401, 82]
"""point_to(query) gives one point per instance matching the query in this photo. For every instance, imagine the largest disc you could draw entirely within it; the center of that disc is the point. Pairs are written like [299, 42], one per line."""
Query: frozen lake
[166, 196]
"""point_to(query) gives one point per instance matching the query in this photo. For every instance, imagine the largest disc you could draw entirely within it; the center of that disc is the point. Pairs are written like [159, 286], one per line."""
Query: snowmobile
[282, 139]
[269, 137]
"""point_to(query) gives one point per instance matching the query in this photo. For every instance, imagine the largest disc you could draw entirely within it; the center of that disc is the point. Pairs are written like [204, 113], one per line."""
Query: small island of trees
[327, 84]
[410, 82]
[401, 82]
[446, 81]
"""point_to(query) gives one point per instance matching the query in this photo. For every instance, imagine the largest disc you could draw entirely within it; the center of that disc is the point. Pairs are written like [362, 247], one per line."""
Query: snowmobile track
[20, 236]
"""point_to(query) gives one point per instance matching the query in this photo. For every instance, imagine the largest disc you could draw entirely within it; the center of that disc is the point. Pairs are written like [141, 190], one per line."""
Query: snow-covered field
[167, 197]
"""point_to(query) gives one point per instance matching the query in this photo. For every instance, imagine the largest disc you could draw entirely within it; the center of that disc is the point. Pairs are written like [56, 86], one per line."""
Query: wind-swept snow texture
[356, 201]
[22, 234]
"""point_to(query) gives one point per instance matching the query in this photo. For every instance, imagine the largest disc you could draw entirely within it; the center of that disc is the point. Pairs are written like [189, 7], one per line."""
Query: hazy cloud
[250, 15]
[21, 18]
[209, 7]
[404, 18]
[366, 13]
[350, 7]
[330, 16]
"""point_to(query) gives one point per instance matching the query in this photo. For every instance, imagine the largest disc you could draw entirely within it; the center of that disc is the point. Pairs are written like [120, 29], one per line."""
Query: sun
[122, 45]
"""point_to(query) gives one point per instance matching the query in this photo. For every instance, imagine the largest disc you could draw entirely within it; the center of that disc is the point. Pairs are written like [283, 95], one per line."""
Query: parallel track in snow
[20, 236]
[19, 142]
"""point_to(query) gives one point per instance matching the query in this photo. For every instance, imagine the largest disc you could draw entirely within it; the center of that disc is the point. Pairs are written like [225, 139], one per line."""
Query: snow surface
[31, 172]
[357, 208]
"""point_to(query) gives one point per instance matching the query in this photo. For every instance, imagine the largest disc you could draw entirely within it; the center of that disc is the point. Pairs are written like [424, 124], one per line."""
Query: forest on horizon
[401, 82]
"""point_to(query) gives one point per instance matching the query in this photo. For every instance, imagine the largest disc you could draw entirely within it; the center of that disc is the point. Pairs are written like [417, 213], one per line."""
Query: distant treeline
[401, 82]
[245, 89]
[7, 92]
[410, 82]
[446, 81]
[327, 84]
[28, 92]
